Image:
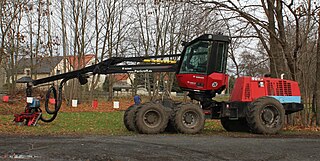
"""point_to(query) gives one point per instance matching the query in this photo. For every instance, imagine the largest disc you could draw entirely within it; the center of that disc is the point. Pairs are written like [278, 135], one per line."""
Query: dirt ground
[158, 147]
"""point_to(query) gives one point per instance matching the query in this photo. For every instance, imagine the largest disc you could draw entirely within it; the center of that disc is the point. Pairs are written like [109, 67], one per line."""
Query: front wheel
[265, 116]
[151, 118]
[188, 118]
[128, 117]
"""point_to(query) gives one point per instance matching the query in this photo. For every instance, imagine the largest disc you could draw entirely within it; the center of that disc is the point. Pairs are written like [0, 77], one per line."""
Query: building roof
[121, 81]
[120, 77]
[43, 65]
[74, 62]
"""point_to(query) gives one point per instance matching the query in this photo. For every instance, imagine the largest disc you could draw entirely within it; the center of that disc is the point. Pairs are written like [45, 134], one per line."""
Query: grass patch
[81, 123]
[110, 123]
[221, 98]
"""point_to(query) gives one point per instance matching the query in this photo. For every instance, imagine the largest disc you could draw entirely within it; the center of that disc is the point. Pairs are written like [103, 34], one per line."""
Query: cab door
[194, 66]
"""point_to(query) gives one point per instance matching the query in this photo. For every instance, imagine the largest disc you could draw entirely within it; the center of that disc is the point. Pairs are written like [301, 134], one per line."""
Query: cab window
[195, 58]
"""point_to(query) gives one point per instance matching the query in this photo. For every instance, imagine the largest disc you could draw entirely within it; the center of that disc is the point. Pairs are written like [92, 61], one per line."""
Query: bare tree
[10, 23]
[317, 84]
[64, 35]
[252, 64]
[271, 31]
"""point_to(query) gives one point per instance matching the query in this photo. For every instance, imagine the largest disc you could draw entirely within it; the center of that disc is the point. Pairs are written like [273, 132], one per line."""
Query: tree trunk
[64, 39]
[277, 62]
[317, 91]
[110, 87]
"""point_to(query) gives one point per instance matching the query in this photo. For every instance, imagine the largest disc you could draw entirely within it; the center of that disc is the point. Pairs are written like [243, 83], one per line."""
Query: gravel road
[158, 147]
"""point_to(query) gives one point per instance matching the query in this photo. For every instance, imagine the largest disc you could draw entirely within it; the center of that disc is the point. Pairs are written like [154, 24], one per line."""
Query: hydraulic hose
[53, 90]
[58, 101]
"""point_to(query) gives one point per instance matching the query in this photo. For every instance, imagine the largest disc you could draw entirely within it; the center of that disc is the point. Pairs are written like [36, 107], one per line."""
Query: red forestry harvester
[258, 105]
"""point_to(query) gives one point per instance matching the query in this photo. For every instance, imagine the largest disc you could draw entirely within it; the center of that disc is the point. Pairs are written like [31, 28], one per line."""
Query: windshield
[195, 58]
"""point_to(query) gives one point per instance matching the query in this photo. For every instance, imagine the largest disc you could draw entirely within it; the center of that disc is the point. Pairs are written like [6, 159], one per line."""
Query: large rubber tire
[188, 118]
[239, 125]
[128, 117]
[151, 118]
[265, 115]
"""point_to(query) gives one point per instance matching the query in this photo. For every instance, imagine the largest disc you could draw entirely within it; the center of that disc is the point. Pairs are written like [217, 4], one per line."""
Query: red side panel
[192, 81]
[241, 91]
[247, 89]
[201, 82]
[216, 81]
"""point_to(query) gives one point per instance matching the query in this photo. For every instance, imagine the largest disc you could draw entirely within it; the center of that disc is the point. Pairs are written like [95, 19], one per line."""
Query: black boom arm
[111, 65]
[108, 66]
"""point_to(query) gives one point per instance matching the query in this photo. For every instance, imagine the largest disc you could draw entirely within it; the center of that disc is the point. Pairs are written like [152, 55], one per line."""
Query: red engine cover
[247, 89]
[202, 82]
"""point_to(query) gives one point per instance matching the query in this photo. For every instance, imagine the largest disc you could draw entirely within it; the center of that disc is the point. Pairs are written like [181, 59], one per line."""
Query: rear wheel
[239, 125]
[265, 115]
[128, 117]
[188, 118]
[151, 118]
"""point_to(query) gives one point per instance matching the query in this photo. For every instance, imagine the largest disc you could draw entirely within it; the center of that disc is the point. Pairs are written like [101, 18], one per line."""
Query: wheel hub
[268, 116]
[152, 118]
[190, 119]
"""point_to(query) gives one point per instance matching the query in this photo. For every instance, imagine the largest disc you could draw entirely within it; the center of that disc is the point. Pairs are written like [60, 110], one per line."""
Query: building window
[58, 71]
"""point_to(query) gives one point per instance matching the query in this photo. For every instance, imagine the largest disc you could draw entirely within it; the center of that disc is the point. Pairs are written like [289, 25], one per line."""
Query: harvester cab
[202, 68]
